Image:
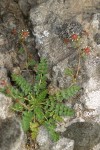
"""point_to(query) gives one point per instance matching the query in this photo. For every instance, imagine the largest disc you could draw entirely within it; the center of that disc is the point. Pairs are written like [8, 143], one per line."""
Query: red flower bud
[24, 34]
[74, 37]
[87, 50]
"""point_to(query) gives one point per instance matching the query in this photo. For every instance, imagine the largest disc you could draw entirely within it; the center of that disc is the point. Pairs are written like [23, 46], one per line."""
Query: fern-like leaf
[22, 83]
[34, 129]
[26, 119]
[67, 93]
[51, 126]
[40, 82]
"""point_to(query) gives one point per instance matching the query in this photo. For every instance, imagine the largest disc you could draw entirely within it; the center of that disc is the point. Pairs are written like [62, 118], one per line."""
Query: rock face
[64, 144]
[86, 135]
[45, 143]
[54, 21]
[11, 134]
[91, 97]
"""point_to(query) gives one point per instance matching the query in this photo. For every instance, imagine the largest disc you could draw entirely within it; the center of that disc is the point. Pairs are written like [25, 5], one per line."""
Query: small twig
[26, 53]
[23, 104]
[78, 67]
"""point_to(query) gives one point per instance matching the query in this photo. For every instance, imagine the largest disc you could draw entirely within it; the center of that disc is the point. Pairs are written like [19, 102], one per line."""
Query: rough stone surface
[64, 144]
[11, 134]
[5, 104]
[97, 38]
[52, 22]
[91, 97]
[26, 5]
[86, 135]
[45, 141]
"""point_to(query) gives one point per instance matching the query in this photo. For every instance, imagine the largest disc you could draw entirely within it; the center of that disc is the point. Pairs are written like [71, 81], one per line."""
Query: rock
[52, 23]
[2, 40]
[97, 147]
[64, 144]
[86, 135]
[5, 104]
[43, 139]
[97, 38]
[24, 6]
[91, 96]
[11, 135]
[45, 143]
[3, 77]
[93, 100]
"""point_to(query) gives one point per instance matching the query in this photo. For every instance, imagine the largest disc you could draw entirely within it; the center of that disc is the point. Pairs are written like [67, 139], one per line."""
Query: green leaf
[54, 135]
[59, 96]
[34, 125]
[21, 50]
[26, 119]
[41, 96]
[70, 92]
[50, 125]
[69, 72]
[17, 107]
[39, 113]
[57, 118]
[34, 129]
[31, 63]
[22, 83]
[42, 67]
[34, 133]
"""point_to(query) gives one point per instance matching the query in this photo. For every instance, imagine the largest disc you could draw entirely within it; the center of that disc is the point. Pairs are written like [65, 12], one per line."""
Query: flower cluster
[87, 50]
[24, 34]
[74, 39]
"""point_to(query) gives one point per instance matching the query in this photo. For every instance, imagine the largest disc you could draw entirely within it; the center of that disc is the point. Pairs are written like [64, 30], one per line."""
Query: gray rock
[43, 139]
[26, 5]
[64, 144]
[11, 135]
[91, 96]
[86, 135]
[45, 143]
[5, 104]
[97, 38]
[97, 147]
[53, 21]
